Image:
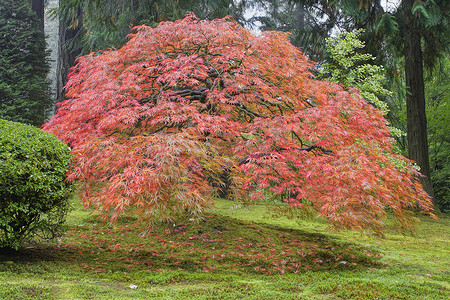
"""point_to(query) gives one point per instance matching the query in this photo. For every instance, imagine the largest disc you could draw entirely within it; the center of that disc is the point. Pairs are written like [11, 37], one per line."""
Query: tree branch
[310, 148]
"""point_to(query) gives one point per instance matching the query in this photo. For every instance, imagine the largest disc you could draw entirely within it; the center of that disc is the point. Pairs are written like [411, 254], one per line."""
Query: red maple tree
[151, 125]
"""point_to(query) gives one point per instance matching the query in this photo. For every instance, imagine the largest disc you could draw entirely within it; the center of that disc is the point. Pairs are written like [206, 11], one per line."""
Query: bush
[33, 191]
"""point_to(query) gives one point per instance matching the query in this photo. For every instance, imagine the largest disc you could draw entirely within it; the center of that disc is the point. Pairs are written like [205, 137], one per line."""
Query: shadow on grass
[29, 252]
[215, 244]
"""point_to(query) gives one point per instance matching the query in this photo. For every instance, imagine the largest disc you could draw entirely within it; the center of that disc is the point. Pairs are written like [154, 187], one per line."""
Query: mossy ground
[233, 253]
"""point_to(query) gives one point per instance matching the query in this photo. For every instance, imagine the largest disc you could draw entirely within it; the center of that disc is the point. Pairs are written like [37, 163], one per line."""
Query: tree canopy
[153, 123]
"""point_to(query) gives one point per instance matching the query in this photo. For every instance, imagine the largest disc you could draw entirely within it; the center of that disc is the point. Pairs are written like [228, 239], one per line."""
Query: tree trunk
[68, 52]
[38, 7]
[415, 96]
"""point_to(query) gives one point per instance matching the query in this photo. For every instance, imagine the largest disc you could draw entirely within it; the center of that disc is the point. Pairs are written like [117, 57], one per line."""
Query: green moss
[101, 261]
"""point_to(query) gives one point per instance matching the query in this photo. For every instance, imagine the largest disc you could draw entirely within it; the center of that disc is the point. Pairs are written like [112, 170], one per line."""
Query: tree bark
[415, 96]
[67, 52]
[38, 7]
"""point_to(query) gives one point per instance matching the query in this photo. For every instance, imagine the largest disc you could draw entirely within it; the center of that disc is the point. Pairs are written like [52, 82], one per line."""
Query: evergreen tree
[38, 7]
[310, 22]
[24, 91]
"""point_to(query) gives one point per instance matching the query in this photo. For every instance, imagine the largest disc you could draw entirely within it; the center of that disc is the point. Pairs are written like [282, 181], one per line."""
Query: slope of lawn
[234, 252]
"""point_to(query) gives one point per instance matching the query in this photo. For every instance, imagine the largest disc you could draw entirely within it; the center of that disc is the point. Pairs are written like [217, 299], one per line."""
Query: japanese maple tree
[153, 123]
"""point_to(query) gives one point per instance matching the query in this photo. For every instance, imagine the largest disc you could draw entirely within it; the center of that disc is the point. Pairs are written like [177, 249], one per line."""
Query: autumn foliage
[154, 124]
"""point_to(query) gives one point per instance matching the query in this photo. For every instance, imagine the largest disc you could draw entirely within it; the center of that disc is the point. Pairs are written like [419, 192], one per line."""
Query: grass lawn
[233, 253]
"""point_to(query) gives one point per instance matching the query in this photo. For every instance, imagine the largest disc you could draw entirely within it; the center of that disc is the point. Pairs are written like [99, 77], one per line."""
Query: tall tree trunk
[38, 7]
[415, 96]
[68, 52]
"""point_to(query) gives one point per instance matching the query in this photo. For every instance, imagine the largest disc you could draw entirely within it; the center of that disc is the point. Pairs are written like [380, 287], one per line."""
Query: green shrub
[438, 116]
[33, 190]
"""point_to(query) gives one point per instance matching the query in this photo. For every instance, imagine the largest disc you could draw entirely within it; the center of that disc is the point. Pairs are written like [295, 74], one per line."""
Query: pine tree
[24, 91]
[38, 7]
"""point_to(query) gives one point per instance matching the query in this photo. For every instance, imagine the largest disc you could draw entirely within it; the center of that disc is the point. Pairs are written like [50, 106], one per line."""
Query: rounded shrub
[33, 191]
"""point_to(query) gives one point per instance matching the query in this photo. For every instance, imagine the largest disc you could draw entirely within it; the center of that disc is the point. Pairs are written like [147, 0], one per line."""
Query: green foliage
[24, 91]
[438, 115]
[387, 24]
[33, 190]
[347, 65]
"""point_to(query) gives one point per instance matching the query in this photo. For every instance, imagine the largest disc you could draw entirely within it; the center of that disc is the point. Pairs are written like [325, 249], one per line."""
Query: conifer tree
[24, 91]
